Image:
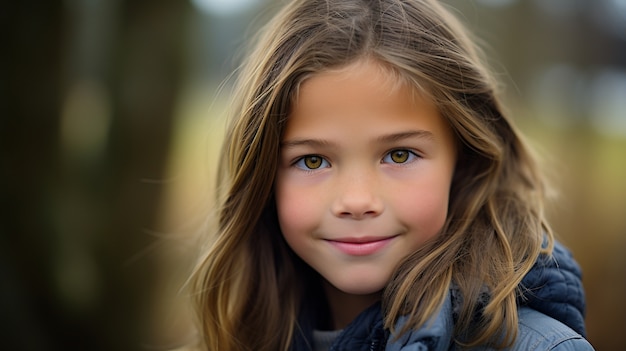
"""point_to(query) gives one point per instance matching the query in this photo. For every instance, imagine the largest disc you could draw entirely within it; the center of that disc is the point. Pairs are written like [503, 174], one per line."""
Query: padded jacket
[551, 317]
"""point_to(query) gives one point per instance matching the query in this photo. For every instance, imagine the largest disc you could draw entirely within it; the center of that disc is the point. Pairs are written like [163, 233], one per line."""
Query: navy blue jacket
[553, 287]
[551, 317]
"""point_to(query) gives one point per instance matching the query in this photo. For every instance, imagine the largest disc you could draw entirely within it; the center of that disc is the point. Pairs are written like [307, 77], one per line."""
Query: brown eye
[312, 162]
[399, 156]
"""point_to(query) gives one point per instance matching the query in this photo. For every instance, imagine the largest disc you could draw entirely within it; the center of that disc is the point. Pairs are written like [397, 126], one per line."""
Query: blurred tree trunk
[87, 101]
[29, 126]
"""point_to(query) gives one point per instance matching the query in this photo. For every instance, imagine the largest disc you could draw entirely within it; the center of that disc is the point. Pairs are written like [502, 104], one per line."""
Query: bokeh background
[111, 115]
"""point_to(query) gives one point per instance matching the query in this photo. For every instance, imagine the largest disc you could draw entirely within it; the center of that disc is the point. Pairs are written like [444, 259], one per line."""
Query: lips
[361, 246]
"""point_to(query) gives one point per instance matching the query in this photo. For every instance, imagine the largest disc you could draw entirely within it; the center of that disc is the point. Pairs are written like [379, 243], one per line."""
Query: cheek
[424, 207]
[294, 209]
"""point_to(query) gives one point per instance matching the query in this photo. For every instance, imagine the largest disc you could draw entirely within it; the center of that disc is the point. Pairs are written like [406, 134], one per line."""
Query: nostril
[358, 214]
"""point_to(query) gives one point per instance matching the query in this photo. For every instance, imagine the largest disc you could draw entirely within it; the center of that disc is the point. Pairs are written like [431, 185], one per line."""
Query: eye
[311, 162]
[399, 156]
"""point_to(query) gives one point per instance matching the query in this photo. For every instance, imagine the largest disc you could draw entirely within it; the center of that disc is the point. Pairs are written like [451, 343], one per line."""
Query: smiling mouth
[361, 246]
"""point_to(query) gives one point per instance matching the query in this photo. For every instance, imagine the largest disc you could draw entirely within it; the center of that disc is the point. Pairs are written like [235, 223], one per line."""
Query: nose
[357, 198]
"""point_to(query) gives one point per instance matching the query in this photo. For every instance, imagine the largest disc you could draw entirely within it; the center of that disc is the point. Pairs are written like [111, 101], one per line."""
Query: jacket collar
[435, 335]
[366, 332]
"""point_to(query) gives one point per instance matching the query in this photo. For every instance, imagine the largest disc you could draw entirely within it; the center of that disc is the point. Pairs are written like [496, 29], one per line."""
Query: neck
[345, 307]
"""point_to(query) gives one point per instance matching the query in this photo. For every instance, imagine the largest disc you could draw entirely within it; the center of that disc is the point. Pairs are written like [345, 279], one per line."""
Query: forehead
[365, 82]
[379, 73]
[347, 101]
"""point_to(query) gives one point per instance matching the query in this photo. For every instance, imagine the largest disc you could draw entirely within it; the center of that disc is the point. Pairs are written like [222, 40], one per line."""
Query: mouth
[362, 246]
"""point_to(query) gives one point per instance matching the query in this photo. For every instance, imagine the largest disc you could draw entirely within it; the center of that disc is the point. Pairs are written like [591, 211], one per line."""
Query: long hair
[249, 286]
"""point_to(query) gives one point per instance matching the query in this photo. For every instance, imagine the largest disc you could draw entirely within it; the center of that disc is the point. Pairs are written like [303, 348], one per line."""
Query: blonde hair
[249, 285]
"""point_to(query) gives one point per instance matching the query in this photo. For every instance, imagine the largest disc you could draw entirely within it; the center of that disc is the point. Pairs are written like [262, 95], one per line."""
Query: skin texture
[364, 178]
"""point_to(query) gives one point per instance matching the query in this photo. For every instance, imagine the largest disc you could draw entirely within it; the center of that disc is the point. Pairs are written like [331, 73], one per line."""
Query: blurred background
[111, 119]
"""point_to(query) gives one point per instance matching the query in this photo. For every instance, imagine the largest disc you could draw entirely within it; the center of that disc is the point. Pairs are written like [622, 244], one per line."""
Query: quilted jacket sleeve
[554, 287]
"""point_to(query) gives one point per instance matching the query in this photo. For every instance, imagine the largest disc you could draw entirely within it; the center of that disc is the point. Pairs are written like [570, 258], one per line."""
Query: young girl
[374, 196]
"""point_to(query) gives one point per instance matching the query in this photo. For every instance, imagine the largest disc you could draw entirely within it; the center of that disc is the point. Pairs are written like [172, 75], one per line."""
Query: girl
[374, 196]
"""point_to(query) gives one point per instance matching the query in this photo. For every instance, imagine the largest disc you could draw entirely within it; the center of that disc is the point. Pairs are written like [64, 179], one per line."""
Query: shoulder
[540, 332]
[536, 332]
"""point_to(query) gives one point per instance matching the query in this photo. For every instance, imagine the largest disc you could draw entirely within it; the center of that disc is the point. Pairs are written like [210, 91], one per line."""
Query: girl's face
[364, 176]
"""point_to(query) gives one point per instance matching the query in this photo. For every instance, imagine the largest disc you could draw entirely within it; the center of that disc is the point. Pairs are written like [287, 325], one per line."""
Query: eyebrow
[389, 138]
[420, 134]
[305, 142]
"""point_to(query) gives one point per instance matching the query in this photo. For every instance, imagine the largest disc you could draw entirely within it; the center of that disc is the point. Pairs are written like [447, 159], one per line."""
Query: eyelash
[301, 162]
[411, 156]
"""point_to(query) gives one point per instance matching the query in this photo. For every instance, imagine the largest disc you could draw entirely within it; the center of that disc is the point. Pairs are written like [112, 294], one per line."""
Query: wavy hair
[248, 284]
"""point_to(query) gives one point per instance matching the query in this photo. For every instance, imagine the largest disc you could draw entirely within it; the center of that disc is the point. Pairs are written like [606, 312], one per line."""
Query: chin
[360, 287]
